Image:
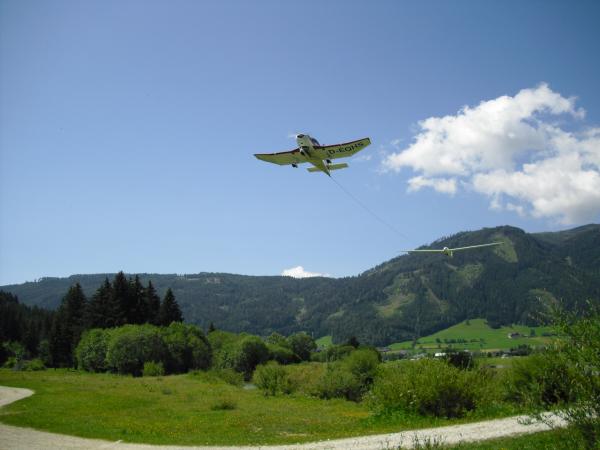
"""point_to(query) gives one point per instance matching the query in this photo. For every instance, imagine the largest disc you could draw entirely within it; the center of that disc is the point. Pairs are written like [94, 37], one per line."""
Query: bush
[363, 364]
[333, 353]
[230, 376]
[187, 348]
[577, 359]
[10, 363]
[427, 387]
[15, 350]
[224, 404]
[224, 345]
[338, 382]
[302, 345]
[540, 380]
[34, 365]
[460, 359]
[282, 355]
[272, 379]
[153, 369]
[130, 346]
[305, 377]
[250, 352]
[90, 353]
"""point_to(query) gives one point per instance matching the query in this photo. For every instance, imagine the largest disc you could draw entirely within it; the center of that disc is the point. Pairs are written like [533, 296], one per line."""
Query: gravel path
[16, 438]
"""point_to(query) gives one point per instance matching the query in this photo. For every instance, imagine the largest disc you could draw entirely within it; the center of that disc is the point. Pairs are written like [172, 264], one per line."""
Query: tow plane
[310, 151]
[450, 251]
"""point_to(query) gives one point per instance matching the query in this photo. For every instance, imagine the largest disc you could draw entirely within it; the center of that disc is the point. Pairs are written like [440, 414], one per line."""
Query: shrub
[34, 365]
[153, 369]
[581, 352]
[187, 348]
[333, 353]
[224, 404]
[302, 345]
[541, 380]
[272, 379]
[223, 345]
[426, 387]
[282, 355]
[363, 365]
[15, 350]
[250, 352]
[338, 382]
[305, 377]
[10, 362]
[460, 359]
[130, 346]
[230, 376]
[277, 339]
[90, 353]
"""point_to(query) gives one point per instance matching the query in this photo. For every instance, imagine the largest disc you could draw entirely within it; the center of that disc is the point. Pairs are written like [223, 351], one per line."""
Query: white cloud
[444, 185]
[299, 272]
[510, 149]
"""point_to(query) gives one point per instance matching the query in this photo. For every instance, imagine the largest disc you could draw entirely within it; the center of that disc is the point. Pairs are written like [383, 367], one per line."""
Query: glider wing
[424, 251]
[475, 246]
[282, 158]
[341, 150]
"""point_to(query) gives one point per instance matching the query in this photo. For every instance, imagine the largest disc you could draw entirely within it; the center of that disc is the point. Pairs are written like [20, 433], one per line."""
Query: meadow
[476, 334]
[191, 409]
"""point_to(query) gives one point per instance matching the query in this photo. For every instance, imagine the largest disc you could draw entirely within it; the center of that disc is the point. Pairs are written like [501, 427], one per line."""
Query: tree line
[53, 335]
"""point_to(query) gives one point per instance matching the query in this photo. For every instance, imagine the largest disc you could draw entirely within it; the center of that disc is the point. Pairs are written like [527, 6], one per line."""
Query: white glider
[309, 150]
[450, 251]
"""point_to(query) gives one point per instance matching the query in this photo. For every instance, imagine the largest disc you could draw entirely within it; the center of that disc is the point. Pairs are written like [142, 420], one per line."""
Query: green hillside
[476, 334]
[405, 298]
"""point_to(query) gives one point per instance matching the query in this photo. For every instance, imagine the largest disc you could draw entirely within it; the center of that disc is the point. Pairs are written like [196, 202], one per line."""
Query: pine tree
[169, 310]
[67, 326]
[152, 301]
[211, 328]
[120, 301]
[99, 314]
[138, 313]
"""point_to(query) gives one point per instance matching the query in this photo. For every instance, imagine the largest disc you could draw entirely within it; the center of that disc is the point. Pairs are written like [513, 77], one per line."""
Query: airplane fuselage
[307, 144]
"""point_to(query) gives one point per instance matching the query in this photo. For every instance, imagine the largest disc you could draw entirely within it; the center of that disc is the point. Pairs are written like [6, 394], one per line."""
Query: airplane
[450, 251]
[320, 156]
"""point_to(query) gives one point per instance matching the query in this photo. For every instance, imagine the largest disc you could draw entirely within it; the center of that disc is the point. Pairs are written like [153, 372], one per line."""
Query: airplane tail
[329, 167]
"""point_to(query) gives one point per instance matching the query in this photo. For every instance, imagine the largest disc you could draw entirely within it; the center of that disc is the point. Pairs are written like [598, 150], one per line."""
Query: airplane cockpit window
[314, 141]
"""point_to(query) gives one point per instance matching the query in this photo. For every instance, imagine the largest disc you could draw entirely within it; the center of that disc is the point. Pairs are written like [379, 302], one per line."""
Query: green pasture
[324, 342]
[187, 410]
[479, 336]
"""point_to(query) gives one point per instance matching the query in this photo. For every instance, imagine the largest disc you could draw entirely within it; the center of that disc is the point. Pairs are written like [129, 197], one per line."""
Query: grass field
[562, 439]
[188, 410]
[324, 342]
[479, 336]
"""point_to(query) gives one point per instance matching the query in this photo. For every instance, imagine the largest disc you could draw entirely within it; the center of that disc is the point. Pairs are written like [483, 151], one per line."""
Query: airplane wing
[425, 251]
[476, 246]
[282, 158]
[341, 150]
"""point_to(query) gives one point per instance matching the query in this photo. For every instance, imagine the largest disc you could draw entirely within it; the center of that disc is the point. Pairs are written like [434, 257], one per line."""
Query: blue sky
[127, 130]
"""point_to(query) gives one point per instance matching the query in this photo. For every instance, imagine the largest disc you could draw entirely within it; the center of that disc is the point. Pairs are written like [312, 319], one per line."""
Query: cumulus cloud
[516, 151]
[299, 272]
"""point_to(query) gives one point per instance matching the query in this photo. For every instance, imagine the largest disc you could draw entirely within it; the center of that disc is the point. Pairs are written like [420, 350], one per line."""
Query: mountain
[406, 297]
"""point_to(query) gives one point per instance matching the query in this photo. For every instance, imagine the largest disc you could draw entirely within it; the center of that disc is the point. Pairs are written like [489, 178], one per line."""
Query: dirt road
[16, 438]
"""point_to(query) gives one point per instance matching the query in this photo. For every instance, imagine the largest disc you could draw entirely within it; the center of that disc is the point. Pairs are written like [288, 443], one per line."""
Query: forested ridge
[406, 297]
